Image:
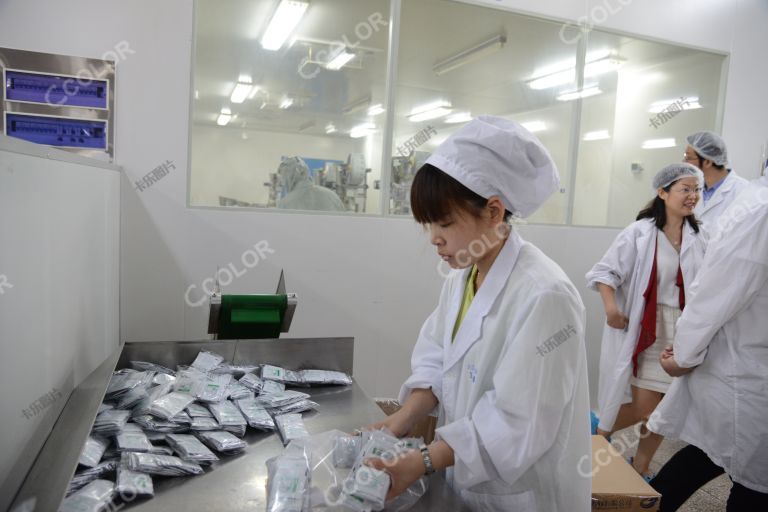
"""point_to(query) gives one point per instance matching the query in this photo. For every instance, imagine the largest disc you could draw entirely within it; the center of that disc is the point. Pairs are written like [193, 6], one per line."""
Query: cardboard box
[424, 428]
[616, 486]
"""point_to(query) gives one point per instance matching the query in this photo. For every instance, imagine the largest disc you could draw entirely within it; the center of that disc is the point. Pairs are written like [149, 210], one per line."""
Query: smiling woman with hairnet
[502, 358]
[301, 193]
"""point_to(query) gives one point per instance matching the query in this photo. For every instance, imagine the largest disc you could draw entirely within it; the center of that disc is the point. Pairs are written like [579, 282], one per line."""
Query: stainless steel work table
[235, 482]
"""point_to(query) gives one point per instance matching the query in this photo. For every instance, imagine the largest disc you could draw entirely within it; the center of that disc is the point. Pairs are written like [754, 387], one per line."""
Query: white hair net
[291, 172]
[710, 146]
[674, 172]
[495, 156]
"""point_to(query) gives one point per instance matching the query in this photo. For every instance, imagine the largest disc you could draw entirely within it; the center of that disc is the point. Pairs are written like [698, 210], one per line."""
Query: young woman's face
[682, 196]
[462, 239]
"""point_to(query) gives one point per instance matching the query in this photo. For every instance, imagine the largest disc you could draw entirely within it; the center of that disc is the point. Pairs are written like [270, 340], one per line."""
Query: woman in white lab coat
[502, 359]
[643, 280]
[719, 403]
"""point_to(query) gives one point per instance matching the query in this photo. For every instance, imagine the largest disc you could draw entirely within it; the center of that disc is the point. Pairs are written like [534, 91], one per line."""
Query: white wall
[367, 277]
[59, 250]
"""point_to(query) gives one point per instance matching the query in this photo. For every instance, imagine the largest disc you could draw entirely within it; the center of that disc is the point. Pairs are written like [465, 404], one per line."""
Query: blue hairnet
[710, 146]
[674, 172]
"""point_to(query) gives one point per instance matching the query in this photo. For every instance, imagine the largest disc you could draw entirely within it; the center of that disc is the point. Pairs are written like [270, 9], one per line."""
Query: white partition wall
[59, 296]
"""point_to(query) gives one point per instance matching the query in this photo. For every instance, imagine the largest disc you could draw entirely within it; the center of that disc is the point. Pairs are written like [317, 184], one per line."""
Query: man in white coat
[720, 403]
[707, 151]
[301, 193]
[502, 359]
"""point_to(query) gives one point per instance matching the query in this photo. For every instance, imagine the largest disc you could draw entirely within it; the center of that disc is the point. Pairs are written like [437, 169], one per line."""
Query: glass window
[275, 80]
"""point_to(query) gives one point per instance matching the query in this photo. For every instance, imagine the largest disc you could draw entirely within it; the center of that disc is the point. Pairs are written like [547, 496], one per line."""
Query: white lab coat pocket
[481, 502]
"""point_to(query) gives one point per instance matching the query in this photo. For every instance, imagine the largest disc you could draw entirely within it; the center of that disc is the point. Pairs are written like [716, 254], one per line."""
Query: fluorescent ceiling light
[356, 105]
[224, 117]
[594, 67]
[470, 54]
[459, 117]
[339, 59]
[362, 130]
[375, 110]
[429, 111]
[329, 128]
[282, 24]
[534, 126]
[584, 93]
[659, 143]
[286, 102]
[597, 135]
[242, 90]
[690, 103]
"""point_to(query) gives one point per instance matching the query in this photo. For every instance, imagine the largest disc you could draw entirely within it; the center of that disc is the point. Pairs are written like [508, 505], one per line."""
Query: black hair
[657, 211]
[435, 196]
[702, 159]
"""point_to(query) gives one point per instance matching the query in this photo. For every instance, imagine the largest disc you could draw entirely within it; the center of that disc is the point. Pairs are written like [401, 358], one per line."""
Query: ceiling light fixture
[534, 126]
[459, 117]
[689, 103]
[242, 90]
[659, 143]
[362, 130]
[283, 22]
[339, 59]
[224, 117]
[596, 135]
[375, 110]
[430, 111]
[586, 92]
[470, 54]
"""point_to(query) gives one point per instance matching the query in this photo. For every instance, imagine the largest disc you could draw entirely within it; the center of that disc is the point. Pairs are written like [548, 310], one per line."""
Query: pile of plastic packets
[157, 422]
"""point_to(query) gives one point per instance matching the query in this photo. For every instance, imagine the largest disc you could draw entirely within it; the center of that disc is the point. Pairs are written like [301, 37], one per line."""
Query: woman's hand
[616, 318]
[399, 423]
[403, 471]
[668, 363]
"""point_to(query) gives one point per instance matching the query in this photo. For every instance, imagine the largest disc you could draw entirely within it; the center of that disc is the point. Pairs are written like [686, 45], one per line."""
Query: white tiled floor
[710, 498]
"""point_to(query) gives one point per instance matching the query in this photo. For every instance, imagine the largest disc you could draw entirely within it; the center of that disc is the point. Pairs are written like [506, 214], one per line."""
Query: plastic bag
[324, 377]
[255, 414]
[190, 448]
[289, 481]
[110, 422]
[166, 465]
[222, 442]
[295, 407]
[291, 427]
[227, 414]
[270, 387]
[275, 400]
[203, 423]
[275, 373]
[133, 439]
[133, 483]
[170, 405]
[93, 450]
[198, 411]
[215, 388]
[235, 370]
[252, 382]
[145, 366]
[86, 476]
[94, 497]
[237, 391]
[207, 361]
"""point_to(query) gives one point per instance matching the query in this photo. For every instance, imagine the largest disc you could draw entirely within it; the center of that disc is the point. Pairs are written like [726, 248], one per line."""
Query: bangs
[435, 196]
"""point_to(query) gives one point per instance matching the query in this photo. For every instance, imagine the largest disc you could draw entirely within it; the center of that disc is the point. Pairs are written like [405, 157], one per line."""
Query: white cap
[495, 156]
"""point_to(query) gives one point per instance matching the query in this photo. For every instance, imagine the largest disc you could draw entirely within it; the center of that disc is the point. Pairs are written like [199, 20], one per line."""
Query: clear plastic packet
[294, 407]
[189, 448]
[237, 391]
[105, 407]
[168, 406]
[189, 380]
[236, 371]
[271, 387]
[215, 388]
[222, 442]
[207, 361]
[133, 439]
[121, 382]
[368, 485]
[160, 450]
[182, 418]
[289, 482]
[166, 465]
[133, 483]
[324, 377]
[275, 400]
[93, 451]
[142, 408]
[255, 414]
[110, 422]
[153, 426]
[198, 411]
[235, 430]
[84, 477]
[275, 373]
[94, 497]
[227, 414]
[345, 450]
[163, 378]
[150, 367]
[203, 423]
[291, 427]
[252, 382]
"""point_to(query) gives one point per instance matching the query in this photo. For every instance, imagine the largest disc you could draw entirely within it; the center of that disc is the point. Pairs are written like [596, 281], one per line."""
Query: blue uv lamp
[57, 131]
[56, 90]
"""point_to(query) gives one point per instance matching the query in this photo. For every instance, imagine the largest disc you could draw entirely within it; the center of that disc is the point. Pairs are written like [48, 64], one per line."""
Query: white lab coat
[307, 196]
[709, 213]
[626, 268]
[722, 406]
[516, 417]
